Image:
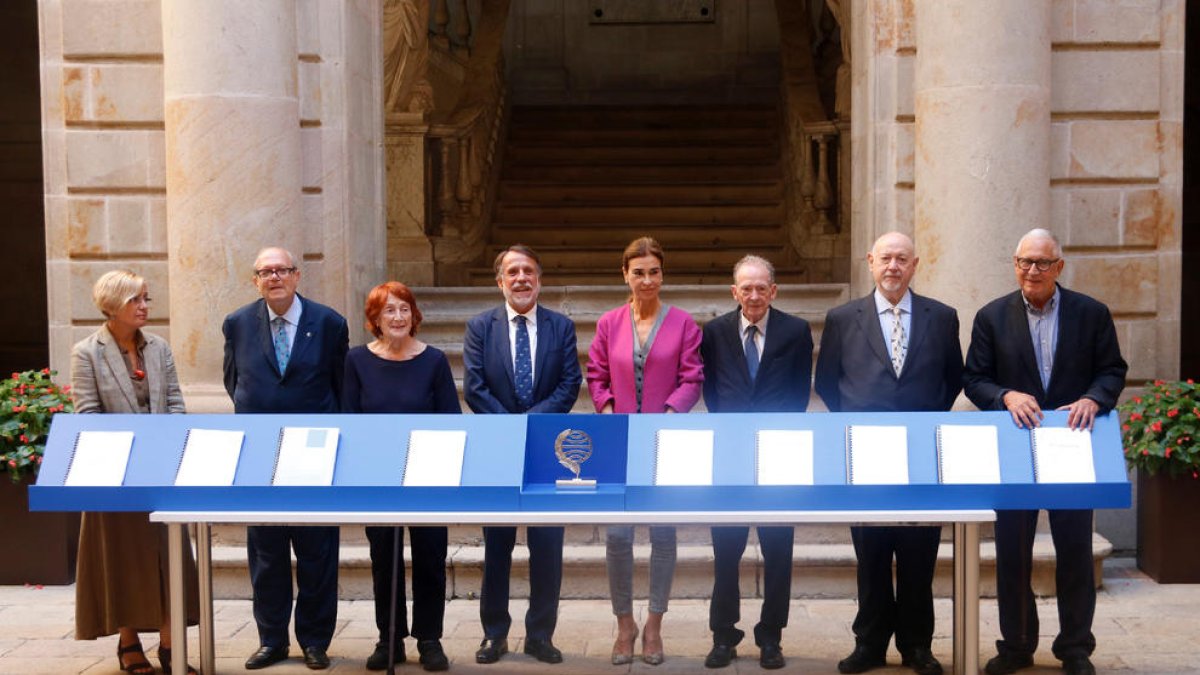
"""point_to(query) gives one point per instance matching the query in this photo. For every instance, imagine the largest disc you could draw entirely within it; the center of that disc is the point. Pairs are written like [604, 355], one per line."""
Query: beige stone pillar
[233, 168]
[982, 172]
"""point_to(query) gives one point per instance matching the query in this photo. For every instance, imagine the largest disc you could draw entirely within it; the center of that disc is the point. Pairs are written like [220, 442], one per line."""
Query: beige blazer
[100, 383]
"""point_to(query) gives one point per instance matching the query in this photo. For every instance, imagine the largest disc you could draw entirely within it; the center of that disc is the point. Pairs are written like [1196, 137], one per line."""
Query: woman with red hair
[397, 373]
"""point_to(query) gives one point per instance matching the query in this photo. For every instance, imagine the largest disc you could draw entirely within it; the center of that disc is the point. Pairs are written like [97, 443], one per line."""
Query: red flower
[66, 387]
[19, 408]
[1157, 426]
[1167, 454]
[12, 463]
[1137, 399]
[1173, 412]
[45, 371]
[1135, 417]
[16, 376]
[1196, 474]
[1145, 452]
[24, 438]
[1125, 427]
[1159, 383]
[1189, 381]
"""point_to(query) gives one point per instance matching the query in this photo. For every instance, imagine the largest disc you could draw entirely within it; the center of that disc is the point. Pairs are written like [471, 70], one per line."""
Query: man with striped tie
[892, 351]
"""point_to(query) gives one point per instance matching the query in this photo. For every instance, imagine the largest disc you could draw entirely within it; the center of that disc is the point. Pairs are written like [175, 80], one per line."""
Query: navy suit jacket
[488, 383]
[1087, 359]
[313, 380]
[854, 368]
[784, 376]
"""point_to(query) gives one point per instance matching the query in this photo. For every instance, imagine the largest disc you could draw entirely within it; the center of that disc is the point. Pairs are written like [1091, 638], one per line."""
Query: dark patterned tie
[282, 351]
[899, 348]
[523, 367]
[751, 352]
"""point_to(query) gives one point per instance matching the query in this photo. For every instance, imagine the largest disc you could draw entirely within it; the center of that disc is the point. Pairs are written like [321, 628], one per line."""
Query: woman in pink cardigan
[645, 358]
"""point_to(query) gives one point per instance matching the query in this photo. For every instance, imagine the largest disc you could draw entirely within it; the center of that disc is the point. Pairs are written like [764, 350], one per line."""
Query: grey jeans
[619, 551]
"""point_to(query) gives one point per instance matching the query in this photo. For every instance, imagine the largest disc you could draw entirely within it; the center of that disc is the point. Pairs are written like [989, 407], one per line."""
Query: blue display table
[510, 468]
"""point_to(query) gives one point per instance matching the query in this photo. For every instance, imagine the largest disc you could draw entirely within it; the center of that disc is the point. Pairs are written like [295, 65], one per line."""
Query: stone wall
[104, 131]
[558, 55]
[1115, 159]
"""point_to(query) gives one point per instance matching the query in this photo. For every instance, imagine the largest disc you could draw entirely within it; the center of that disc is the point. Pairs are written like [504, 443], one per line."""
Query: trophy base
[575, 484]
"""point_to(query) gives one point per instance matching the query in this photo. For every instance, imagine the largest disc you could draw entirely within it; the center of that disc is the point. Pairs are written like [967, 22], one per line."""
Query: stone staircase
[579, 183]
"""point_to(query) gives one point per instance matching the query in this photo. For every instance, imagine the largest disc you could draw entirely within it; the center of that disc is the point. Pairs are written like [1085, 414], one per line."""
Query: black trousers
[1074, 577]
[268, 551]
[907, 611]
[545, 580]
[729, 543]
[428, 546]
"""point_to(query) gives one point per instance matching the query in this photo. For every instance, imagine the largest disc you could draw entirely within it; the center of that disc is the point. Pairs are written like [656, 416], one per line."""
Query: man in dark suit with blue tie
[892, 351]
[520, 358]
[285, 354]
[756, 359]
[1040, 347]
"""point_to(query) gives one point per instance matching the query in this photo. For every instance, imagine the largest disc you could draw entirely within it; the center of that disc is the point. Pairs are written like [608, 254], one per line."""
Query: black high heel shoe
[164, 657]
[141, 667]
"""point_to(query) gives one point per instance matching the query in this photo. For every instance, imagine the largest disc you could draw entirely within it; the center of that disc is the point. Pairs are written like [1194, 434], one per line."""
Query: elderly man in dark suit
[520, 358]
[285, 354]
[738, 379]
[1044, 346]
[892, 351]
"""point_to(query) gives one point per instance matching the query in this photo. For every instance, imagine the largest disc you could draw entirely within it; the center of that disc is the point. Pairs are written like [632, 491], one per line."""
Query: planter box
[1168, 522]
[39, 548]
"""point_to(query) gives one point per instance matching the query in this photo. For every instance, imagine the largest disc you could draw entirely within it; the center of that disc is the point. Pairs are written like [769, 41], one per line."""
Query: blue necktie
[282, 351]
[523, 367]
[751, 351]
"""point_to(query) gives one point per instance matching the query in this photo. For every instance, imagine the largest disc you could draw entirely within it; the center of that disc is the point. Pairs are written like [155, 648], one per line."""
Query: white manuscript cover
[1062, 455]
[435, 458]
[306, 456]
[784, 457]
[100, 459]
[968, 455]
[877, 455]
[210, 457]
[684, 457]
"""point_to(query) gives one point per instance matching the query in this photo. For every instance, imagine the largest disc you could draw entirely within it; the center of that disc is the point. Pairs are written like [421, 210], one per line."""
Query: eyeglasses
[281, 272]
[1042, 265]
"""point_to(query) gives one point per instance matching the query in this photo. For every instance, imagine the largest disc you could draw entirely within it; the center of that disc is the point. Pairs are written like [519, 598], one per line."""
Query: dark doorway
[24, 342]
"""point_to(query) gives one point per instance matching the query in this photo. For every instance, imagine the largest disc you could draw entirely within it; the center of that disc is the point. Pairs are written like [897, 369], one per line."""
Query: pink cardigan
[673, 373]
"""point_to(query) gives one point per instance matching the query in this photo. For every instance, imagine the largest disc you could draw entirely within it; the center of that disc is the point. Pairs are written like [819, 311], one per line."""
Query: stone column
[982, 172]
[233, 168]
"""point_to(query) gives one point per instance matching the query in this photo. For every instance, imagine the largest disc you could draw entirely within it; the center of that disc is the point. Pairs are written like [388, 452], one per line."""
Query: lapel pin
[308, 334]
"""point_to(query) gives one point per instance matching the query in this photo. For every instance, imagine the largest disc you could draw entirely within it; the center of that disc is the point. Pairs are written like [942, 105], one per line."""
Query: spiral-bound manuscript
[876, 455]
[683, 457]
[306, 456]
[968, 454]
[1062, 455]
[210, 457]
[99, 459]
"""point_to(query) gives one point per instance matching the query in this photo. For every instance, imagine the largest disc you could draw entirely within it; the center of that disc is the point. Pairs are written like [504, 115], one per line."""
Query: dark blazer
[488, 384]
[1087, 360]
[313, 381]
[854, 368]
[784, 371]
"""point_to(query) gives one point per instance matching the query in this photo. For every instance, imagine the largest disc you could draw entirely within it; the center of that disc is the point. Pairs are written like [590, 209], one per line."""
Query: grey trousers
[619, 551]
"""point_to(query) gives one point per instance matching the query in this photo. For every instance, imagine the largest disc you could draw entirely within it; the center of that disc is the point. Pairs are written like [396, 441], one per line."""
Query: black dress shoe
[266, 656]
[378, 660]
[860, 661]
[922, 661]
[491, 649]
[433, 658]
[542, 650]
[720, 656]
[316, 658]
[1007, 663]
[771, 657]
[1078, 665]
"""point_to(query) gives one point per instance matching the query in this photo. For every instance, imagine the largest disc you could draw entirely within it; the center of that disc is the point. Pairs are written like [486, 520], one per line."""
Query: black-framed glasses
[1042, 265]
[268, 272]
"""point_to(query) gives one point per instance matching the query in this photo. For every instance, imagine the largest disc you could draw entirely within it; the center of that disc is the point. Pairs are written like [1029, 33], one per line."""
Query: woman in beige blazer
[121, 579]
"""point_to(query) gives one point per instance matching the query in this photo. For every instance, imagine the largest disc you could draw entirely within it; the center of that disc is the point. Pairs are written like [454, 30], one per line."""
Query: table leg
[208, 656]
[175, 543]
[966, 598]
